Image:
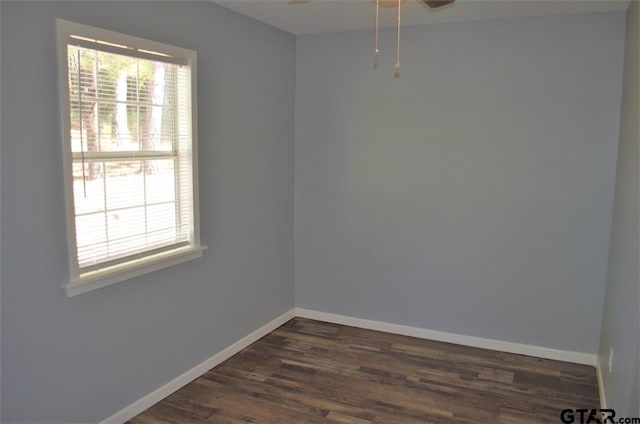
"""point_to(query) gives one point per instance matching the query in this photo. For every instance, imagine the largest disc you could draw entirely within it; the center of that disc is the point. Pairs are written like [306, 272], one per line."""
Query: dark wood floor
[313, 372]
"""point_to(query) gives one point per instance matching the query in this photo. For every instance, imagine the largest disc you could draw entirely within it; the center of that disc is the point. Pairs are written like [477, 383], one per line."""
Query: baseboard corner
[177, 383]
[601, 392]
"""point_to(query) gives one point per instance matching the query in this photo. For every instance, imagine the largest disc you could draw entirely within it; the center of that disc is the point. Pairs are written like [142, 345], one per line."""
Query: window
[129, 134]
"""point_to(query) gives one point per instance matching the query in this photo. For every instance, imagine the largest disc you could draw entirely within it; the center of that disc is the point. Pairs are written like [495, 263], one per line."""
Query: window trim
[82, 282]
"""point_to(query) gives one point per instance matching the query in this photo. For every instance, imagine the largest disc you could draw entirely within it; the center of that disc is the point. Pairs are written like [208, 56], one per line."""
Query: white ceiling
[314, 16]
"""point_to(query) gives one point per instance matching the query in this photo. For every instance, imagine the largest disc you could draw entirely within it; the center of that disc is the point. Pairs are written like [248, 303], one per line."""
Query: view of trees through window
[120, 103]
[123, 141]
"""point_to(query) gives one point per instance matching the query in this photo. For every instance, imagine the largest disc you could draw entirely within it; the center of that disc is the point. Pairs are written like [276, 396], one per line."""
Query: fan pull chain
[397, 65]
[377, 52]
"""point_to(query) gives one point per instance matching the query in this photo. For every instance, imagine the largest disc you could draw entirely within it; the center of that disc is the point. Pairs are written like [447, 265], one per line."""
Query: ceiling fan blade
[434, 4]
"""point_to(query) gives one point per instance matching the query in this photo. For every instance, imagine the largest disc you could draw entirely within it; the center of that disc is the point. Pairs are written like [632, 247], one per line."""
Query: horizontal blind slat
[122, 155]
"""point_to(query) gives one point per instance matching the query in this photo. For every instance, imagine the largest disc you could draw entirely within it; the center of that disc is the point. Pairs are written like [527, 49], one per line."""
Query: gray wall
[82, 359]
[471, 195]
[621, 320]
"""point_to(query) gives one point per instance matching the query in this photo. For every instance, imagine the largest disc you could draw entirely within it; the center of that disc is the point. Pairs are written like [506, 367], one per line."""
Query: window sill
[105, 277]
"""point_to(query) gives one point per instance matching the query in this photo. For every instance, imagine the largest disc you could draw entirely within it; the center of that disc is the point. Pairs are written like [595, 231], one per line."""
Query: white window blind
[130, 143]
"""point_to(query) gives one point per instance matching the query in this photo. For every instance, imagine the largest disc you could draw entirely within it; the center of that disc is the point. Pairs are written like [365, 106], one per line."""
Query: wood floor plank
[314, 372]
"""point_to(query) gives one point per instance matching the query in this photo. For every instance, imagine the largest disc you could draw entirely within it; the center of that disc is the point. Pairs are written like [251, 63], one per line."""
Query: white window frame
[84, 281]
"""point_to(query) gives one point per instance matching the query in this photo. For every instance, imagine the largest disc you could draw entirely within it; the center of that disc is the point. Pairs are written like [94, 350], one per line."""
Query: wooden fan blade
[434, 4]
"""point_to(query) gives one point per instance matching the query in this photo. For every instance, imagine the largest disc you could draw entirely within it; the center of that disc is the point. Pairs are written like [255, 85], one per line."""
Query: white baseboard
[157, 395]
[603, 398]
[503, 346]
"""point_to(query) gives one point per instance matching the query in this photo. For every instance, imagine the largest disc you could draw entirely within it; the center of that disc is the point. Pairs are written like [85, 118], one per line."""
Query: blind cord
[84, 176]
